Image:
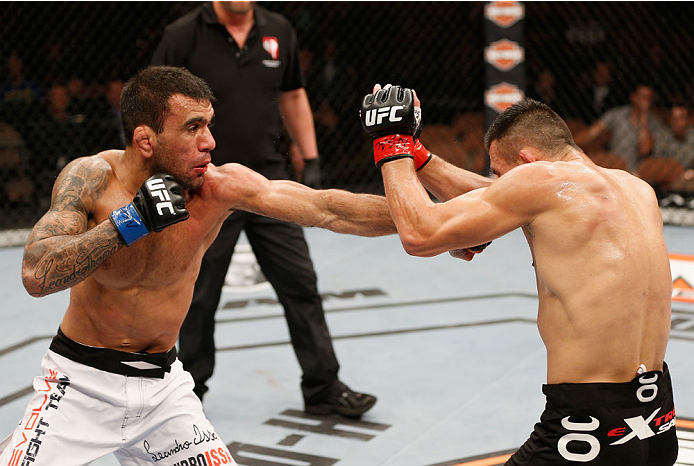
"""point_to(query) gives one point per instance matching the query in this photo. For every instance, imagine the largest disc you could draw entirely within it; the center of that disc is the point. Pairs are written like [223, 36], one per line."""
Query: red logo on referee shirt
[271, 46]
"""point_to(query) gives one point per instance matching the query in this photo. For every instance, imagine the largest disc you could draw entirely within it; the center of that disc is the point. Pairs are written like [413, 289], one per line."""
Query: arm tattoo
[77, 189]
[61, 251]
[75, 259]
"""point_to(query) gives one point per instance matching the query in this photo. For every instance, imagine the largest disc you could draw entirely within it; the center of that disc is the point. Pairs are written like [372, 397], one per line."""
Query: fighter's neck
[132, 169]
[570, 155]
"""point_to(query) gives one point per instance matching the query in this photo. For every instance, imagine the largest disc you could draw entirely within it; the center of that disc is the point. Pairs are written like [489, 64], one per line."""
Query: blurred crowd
[45, 123]
[622, 116]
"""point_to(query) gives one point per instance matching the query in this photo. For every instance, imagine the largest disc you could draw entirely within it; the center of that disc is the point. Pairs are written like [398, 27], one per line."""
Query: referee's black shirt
[246, 82]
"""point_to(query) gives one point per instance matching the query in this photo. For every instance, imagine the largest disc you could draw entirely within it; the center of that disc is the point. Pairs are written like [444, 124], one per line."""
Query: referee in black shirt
[249, 57]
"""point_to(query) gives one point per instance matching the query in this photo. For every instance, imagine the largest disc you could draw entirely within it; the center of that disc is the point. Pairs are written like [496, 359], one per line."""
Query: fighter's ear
[144, 140]
[527, 156]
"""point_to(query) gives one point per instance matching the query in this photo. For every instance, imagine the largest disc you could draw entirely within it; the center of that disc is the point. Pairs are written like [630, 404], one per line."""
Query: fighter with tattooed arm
[126, 232]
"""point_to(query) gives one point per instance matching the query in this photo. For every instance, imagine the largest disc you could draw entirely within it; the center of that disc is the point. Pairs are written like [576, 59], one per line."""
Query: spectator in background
[670, 170]
[16, 188]
[55, 139]
[676, 141]
[87, 104]
[603, 94]
[250, 58]
[630, 128]
[58, 103]
[332, 107]
[598, 93]
[544, 90]
[112, 124]
[19, 95]
[331, 73]
[76, 90]
[55, 67]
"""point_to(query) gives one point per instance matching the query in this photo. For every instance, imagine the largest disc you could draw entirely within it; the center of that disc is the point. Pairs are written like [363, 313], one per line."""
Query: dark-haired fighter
[115, 235]
[602, 268]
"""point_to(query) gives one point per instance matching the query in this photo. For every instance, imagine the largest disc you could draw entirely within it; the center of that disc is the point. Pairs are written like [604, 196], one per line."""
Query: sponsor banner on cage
[502, 96]
[504, 56]
[504, 14]
[682, 268]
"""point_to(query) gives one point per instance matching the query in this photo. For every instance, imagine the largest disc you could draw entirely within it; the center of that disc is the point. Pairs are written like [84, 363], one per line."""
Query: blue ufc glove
[159, 203]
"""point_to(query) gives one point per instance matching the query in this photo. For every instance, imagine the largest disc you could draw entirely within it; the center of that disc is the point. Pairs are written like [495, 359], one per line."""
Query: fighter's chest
[159, 258]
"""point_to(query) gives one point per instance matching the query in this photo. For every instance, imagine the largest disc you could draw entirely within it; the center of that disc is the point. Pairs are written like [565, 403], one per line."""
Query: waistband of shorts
[606, 394]
[153, 365]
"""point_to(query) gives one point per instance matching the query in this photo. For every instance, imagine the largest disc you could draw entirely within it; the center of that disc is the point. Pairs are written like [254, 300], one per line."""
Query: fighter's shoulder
[639, 185]
[89, 168]
[225, 173]
[231, 185]
[528, 175]
[82, 182]
[529, 187]
[228, 176]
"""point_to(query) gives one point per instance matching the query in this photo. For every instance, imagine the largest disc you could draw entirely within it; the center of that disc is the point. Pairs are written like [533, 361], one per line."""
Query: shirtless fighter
[603, 275]
[111, 382]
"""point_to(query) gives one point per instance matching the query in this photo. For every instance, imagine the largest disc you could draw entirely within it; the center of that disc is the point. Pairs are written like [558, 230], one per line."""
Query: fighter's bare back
[597, 244]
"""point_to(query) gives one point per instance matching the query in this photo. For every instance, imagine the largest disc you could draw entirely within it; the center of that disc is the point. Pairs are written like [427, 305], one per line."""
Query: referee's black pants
[283, 256]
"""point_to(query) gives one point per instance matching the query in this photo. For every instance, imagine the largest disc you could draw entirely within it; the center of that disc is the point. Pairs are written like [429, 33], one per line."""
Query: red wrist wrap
[393, 147]
[421, 155]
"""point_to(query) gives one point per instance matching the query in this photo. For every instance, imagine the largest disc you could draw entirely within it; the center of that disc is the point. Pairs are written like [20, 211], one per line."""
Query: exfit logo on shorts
[375, 117]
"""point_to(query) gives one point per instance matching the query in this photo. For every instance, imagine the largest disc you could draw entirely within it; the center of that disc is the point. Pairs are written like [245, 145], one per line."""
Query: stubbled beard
[161, 164]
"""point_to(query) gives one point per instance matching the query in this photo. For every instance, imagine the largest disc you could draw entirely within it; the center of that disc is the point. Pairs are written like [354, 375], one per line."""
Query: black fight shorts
[605, 424]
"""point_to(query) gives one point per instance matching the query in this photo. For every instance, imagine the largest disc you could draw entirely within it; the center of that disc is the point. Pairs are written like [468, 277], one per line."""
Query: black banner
[504, 56]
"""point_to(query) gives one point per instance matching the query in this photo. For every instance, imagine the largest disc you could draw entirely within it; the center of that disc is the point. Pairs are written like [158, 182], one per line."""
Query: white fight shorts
[92, 403]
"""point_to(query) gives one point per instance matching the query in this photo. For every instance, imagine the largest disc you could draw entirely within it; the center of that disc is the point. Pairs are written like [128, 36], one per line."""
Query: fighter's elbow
[416, 244]
[31, 280]
[30, 283]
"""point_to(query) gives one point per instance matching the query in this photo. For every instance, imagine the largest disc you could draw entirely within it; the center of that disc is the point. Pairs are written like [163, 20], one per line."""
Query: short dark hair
[533, 122]
[145, 97]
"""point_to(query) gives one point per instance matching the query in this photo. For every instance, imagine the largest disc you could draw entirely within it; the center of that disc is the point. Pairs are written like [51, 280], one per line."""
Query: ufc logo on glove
[158, 189]
[376, 116]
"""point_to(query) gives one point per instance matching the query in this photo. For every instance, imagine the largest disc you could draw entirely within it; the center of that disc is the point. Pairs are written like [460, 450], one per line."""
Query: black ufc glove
[389, 116]
[159, 203]
[312, 176]
[480, 247]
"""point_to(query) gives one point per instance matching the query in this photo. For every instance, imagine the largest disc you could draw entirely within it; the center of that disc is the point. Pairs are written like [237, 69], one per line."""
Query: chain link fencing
[63, 64]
